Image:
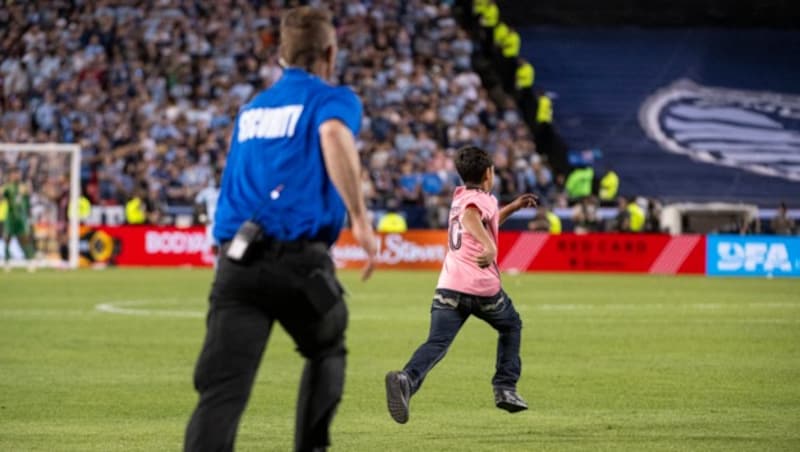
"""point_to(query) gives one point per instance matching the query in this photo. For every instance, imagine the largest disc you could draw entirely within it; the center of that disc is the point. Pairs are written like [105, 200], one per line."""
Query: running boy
[469, 284]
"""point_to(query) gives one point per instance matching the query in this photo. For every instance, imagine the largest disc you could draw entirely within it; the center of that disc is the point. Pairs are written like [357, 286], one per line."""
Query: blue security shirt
[275, 172]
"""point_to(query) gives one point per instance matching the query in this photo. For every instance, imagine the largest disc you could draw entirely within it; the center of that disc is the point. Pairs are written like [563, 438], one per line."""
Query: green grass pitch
[610, 362]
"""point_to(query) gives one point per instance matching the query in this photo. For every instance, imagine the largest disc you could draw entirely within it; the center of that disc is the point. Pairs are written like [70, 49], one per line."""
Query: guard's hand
[365, 237]
[526, 200]
[487, 256]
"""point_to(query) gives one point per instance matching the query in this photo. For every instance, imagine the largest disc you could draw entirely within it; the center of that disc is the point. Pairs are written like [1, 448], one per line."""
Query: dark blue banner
[682, 114]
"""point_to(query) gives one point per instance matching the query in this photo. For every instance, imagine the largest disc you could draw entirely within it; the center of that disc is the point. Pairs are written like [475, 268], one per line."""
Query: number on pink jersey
[454, 234]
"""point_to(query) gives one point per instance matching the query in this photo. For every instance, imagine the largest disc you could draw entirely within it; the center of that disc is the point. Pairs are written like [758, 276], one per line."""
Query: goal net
[39, 216]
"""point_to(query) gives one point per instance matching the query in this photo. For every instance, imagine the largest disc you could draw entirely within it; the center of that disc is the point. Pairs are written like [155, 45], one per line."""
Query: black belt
[277, 246]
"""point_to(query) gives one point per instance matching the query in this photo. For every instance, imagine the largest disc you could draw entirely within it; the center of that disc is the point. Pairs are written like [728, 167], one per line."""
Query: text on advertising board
[417, 249]
[753, 255]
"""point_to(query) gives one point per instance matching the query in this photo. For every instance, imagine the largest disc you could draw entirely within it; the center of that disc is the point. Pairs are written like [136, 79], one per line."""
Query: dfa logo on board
[753, 256]
[758, 131]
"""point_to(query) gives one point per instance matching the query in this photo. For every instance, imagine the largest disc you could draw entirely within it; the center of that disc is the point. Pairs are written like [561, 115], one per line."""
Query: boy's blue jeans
[449, 311]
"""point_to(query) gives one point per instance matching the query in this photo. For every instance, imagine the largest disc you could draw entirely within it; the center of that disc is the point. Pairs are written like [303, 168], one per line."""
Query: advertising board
[753, 255]
[145, 246]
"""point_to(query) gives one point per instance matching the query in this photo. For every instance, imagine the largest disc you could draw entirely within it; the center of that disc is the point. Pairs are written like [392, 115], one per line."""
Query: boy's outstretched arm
[522, 201]
[471, 220]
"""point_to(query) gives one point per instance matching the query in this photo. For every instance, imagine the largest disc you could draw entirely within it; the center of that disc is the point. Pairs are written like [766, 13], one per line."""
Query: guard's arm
[471, 220]
[341, 162]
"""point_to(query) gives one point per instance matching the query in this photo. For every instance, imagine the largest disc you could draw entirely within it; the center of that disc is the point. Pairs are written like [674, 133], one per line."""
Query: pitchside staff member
[291, 171]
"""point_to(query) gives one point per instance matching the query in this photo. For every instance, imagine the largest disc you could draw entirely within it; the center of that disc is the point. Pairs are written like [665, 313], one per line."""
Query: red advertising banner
[526, 251]
[630, 253]
[148, 246]
[421, 250]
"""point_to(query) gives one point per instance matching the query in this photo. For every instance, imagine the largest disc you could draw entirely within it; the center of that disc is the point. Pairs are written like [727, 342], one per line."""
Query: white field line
[652, 306]
[666, 322]
[130, 308]
[42, 312]
[113, 308]
[674, 323]
[149, 308]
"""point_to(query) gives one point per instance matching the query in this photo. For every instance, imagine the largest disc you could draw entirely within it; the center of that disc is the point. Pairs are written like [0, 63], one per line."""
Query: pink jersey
[460, 271]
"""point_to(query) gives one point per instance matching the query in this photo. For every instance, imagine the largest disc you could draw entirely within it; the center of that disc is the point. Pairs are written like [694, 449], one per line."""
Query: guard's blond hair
[306, 33]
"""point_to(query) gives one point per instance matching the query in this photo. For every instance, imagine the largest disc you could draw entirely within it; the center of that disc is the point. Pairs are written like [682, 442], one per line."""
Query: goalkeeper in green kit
[17, 222]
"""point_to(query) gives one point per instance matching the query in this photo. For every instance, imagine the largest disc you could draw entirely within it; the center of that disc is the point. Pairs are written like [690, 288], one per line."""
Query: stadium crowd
[150, 90]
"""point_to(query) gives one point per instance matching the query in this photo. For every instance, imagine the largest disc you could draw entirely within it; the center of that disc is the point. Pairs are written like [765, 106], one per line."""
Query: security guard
[499, 33]
[636, 216]
[3, 213]
[544, 110]
[291, 172]
[83, 209]
[554, 221]
[579, 183]
[136, 208]
[489, 19]
[548, 141]
[509, 51]
[525, 75]
[488, 11]
[609, 186]
[511, 44]
[524, 78]
[478, 6]
[392, 222]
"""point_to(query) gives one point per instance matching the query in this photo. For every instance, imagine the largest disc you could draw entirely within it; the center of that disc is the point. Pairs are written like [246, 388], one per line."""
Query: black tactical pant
[293, 283]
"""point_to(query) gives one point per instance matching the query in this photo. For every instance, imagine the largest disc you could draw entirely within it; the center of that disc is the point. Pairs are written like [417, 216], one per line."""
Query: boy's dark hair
[471, 164]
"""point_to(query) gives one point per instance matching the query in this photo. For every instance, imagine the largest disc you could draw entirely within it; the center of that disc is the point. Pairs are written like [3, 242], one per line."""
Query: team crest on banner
[758, 131]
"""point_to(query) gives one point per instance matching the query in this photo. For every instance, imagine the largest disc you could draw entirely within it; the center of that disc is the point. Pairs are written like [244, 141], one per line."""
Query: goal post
[54, 221]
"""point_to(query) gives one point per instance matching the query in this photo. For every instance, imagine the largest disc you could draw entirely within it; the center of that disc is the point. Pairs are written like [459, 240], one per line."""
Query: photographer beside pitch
[469, 284]
[291, 171]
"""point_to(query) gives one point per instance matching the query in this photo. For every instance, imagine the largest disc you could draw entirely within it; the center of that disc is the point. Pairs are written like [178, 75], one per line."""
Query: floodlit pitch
[102, 361]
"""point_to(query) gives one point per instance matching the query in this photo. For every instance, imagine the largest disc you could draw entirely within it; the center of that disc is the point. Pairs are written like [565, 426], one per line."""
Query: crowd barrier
[713, 255]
